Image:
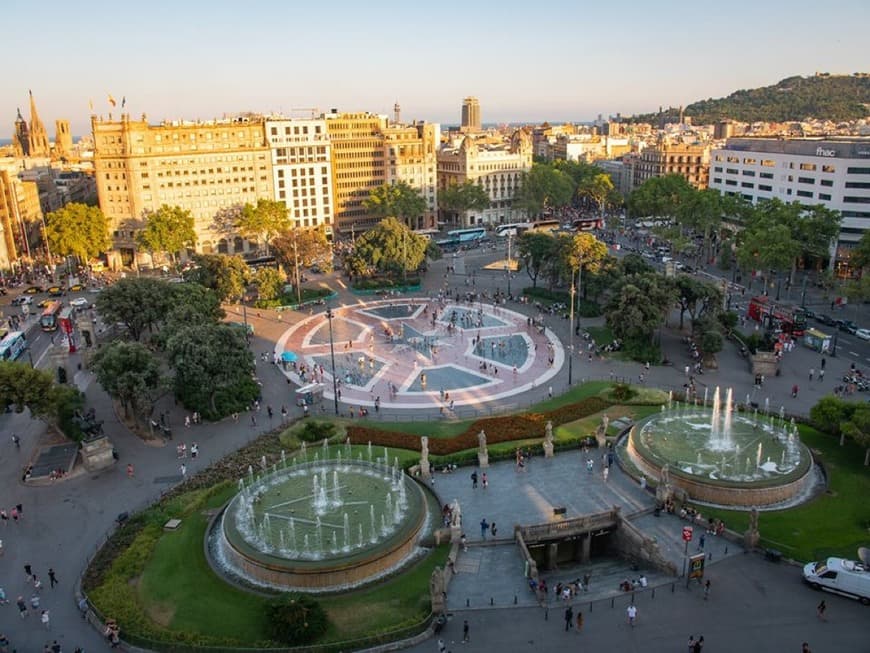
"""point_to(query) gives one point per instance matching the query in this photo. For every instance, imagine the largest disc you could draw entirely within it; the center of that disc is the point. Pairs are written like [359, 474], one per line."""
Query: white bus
[428, 234]
[12, 346]
[512, 229]
[545, 226]
[467, 235]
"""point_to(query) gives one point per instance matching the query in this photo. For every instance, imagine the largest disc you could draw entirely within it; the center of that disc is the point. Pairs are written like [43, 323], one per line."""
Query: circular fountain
[320, 523]
[723, 457]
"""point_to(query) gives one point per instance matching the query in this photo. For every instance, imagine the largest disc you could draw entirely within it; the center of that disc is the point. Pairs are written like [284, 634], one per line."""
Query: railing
[569, 527]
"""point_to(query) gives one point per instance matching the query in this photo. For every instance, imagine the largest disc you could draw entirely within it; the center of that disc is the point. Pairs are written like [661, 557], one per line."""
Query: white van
[840, 576]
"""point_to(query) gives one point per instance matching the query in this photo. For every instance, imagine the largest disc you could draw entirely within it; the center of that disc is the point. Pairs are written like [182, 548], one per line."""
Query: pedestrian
[183, 470]
[83, 607]
[631, 611]
[699, 644]
[812, 371]
[34, 602]
[605, 472]
[464, 542]
[22, 606]
[569, 618]
[691, 646]
[55, 647]
[129, 470]
[45, 619]
[187, 421]
[28, 571]
[485, 481]
[484, 527]
[442, 647]
[52, 577]
[794, 391]
[493, 529]
[822, 374]
[3, 599]
[586, 579]
[4, 517]
[16, 441]
[474, 479]
[269, 411]
[820, 610]
[194, 450]
[579, 621]
[550, 392]
[707, 589]
[253, 421]
[465, 639]
[805, 648]
[701, 542]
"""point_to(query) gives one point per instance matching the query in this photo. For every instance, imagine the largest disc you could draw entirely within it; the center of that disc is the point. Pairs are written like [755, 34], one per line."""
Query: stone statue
[548, 440]
[425, 467]
[751, 537]
[455, 514]
[482, 453]
[753, 519]
[665, 476]
[605, 422]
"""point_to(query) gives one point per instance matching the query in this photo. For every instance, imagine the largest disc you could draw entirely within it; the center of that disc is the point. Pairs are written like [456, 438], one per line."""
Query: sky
[556, 60]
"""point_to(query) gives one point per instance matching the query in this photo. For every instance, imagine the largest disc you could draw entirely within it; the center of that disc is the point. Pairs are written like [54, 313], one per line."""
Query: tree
[535, 249]
[639, 306]
[697, 298]
[296, 619]
[765, 245]
[263, 221]
[308, 246]
[586, 254]
[77, 230]
[169, 230]
[213, 369]
[129, 373]
[226, 275]
[138, 303]
[831, 413]
[702, 211]
[660, 197]
[461, 198]
[598, 188]
[396, 200]
[859, 257]
[858, 429]
[190, 303]
[389, 247]
[22, 386]
[543, 186]
[270, 282]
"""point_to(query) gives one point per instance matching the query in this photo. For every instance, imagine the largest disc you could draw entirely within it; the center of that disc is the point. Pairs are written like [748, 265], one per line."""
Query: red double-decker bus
[789, 319]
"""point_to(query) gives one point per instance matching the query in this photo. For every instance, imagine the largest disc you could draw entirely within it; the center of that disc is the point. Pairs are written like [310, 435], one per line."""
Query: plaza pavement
[65, 522]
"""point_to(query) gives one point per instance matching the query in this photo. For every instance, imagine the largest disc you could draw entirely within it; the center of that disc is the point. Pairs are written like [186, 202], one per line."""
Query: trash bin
[773, 555]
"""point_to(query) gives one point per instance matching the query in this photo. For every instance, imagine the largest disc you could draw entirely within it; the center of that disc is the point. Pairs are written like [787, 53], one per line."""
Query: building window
[768, 163]
[857, 184]
[730, 182]
[827, 182]
[804, 193]
[731, 171]
[717, 169]
[808, 166]
[765, 187]
[806, 180]
[748, 162]
[829, 169]
[856, 200]
[747, 184]
[749, 173]
[824, 196]
[858, 171]
[765, 175]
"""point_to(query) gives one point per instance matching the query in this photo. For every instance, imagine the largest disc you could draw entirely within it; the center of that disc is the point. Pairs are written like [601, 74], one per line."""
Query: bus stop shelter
[818, 341]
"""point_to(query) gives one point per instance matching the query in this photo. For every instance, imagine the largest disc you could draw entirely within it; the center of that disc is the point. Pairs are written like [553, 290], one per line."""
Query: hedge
[498, 429]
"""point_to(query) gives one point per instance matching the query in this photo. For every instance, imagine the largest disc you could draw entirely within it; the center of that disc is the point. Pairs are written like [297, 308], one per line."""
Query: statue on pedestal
[482, 452]
[548, 440]
[425, 467]
[437, 590]
[751, 537]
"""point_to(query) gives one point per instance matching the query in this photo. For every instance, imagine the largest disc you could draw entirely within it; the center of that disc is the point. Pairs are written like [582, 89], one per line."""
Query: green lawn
[602, 335]
[836, 523]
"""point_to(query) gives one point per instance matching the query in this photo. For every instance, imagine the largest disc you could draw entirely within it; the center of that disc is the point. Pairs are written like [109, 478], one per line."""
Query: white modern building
[302, 170]
[833, 172]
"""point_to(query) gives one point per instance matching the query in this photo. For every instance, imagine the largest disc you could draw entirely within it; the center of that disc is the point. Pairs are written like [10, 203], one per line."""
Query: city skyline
[561, 63]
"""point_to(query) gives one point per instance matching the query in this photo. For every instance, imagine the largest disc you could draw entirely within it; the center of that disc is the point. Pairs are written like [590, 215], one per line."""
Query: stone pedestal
[751, 539]
[483, 459]
[97, 453]
[548, 449]
[455, 534]
[425, 469]
[59, 357]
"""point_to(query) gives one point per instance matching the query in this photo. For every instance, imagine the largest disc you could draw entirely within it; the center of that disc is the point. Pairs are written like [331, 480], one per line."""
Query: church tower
[21, 139]
[39, 145]
[62, 140]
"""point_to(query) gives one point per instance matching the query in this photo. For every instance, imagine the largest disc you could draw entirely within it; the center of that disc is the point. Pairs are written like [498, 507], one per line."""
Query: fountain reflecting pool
[321, 522]
[722, 456]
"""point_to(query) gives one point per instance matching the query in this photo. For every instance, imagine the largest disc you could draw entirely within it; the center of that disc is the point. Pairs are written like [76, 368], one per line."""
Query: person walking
[821, 608]
[16, 441]
[707, 589]
[183, 470]
[794, 391]
[484, 527]
[474, 480]
[442, 647]
[805, 648]
[812, 372]
[569, 618]
[631, 611]
[22, 606]
[45, 618]
[691, 646]
[485, 480]
[52, 577]
[194, 450]
[465, 638]
[698, 645]
[130, 470]
[579, 621]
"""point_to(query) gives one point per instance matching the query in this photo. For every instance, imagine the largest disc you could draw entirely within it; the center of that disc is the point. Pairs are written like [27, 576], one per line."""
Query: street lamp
[509, 266]
[329, 316]
[296, 267]
[571, 336]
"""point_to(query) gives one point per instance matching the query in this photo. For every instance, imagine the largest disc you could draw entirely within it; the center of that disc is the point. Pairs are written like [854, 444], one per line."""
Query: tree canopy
[535, 249]
[639, 306]
[459, 198]
[226, 275]
[310, 246]
[389, 247]
[139, 303]
[130, 373]
[169, 230]
[77, 230]
[544, 186]
[396, 200]
[262, 221]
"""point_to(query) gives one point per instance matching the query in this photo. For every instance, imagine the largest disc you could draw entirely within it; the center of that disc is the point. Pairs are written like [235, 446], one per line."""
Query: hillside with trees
[823, 96]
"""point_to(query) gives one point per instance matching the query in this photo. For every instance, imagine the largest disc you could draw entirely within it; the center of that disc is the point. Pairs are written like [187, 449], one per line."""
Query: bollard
[632, 597]
[491, 602]
[546, 614]
[673, 587]
[515, 599]
[467, 603]
[710, 556]
[726, 549]
[653, 593]
[612, 604]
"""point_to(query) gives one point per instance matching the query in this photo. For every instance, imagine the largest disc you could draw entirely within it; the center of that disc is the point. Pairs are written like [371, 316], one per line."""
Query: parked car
[845, 577]
[34, 290]
[864, 334]
[76, 287]
[825, 319]
[22, 300]
[80, 302]
[847, 325]
[55, 291]
[809, 313]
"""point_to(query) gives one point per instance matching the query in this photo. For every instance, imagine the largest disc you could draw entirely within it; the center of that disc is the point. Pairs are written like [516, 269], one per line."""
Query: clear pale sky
[526, 61]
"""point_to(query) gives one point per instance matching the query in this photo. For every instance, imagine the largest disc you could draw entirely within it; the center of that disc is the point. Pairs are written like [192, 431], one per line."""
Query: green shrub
[314, 431]
[623, 392]
[642, 351]
[585, 307]
[296, 619]
[378, 283]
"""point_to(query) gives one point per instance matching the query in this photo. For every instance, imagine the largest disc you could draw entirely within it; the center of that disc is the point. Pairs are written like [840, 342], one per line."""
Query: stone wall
[631, 543]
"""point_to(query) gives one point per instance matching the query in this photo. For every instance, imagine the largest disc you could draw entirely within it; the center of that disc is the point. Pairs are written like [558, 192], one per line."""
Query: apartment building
[203, 167]
[833, 172]
[410, 155]
[691, 161]
[498, 169]
[20, 217]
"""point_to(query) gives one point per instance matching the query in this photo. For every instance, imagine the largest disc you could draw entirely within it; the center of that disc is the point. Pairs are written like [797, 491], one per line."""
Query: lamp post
[571, 337]
[329, 316]
[509, 266]
[296, 268]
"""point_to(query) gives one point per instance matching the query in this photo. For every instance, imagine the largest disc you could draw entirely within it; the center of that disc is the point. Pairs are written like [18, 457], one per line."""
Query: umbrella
[289, 357]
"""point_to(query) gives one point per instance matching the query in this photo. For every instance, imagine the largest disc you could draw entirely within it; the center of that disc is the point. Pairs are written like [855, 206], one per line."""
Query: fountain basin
[757, 461]
[287, 530]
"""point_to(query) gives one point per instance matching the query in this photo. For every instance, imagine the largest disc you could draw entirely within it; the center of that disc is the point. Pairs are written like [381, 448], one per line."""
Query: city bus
[48, 319]
[428, 234]
[475, 234]
[65, 319]
[12, 346]
[588, 224]
[789, 319]
[512, 229]
[545, 226]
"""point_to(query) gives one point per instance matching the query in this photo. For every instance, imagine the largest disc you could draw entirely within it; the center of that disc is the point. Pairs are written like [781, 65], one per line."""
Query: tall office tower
[203, 167]
[39, 145]
[62, 140]
[21, 138]
[470, 115]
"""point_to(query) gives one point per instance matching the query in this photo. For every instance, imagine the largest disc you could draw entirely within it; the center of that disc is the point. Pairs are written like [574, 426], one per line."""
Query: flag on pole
[123, 101]
[91, 105]
[112, 100]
